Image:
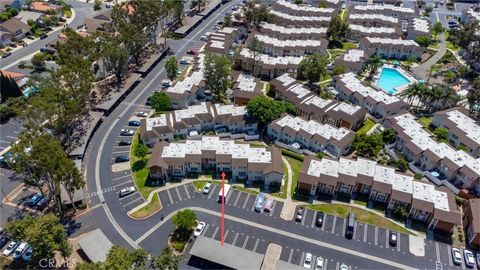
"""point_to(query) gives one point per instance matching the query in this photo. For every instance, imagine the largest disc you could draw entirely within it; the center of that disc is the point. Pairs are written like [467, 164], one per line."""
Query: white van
[21, 249]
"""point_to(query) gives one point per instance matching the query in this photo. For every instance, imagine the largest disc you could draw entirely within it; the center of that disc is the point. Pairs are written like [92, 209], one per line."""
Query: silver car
[469, 259]
[456, 256]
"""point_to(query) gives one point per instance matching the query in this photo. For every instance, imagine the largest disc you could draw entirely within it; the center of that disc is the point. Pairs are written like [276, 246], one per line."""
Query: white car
[469, 259]
[343, 267]
[10, 248]
[166, 83]
[126, 132]
[199, 229]
[184, 61]
[206, 188]
[307, 263]
[126, 191]
[478, 260]
[203, 38]
[142, 114]
[319, 263]
[456, 256]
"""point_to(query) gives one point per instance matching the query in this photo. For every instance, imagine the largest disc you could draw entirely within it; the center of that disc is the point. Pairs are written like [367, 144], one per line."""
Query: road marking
[228, 196]
[235, 239]
[449, 255]
[123, 183]
[273, 208]
[365, 228]
[438, 265]
[238, 197]
[215, 232]
[130, 202]
[169, 196]
[302, 258]
[304, 217]
[376, 235]
[246, 200]
[121, 152]
[245, 242]
[463, 261]
[398, 241]
[212, 191]
[225, 235]
[313, 220]
[354, 229]
[121, 177]
[253, 207]
[324, 221]
[344, 226]
[205, 230]
[290, 256]
[256, 245]
[178, 193]
[338, 266]
[437, 251]
[334, 222]
[326, 263]
[186, 191]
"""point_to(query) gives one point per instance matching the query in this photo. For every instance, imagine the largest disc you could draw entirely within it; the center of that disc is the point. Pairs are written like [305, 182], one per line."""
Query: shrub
[292, 155]
[418, 176]
[460, 237]
[459, 200]
[179, 246]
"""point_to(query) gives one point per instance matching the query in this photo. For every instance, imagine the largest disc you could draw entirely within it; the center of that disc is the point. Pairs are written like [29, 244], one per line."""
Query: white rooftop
[191, 111]
[159, 121]
[299, 91]
[294, 30]
[270, 60]
[353, 55]
[420, 25]
[300, 18]
[190, 81]
[313, 127]
[317, 102]
[310, 9]
[428, 193]
[286, 79]
[347, 108]
[376, 17]
[230, 109]
[394, 41]
[246, 82]
[355, 85]
[371, 30]
[379, 8]
[277, 43]
[465, 124]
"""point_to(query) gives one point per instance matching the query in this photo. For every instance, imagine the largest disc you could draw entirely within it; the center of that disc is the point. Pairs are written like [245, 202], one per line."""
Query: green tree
[402, 165]
[401, 212]
[119, 258]
[175, 8]
[338, 69]
[38, 62]
[423, 41]
[227, 21]
[167, 260]
[337, 29]
[171, 65]
[389, 136]
[473, 98]
[265, 109]
[97, 5]
[437, 28]
[161, 102]
[184, 222]
[45, 234]
[116, 61]
[256, 47]
[141, 151]
[372, 64]
[368, 145]
[441, 133]
[217, 74]
[252, 14]
[312, 68]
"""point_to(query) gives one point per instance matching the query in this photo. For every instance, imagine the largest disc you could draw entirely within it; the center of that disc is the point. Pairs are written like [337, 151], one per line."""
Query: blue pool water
[390, 79]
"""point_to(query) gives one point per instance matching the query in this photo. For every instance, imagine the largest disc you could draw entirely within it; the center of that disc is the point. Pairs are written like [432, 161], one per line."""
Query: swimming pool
[390, 79]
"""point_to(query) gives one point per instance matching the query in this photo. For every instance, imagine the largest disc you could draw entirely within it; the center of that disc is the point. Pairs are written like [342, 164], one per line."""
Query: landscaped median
[362, 215]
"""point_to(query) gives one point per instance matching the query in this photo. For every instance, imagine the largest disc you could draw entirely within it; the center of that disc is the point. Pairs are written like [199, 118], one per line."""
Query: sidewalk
[422, 70]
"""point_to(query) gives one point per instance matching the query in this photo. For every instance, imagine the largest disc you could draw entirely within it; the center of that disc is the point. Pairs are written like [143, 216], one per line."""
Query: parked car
[120, 159]
[343, 267]
[319, 263]
[350, 226]
[126, 191]
[260, 202]
[34, 199]
[10, 248]
[142, 114]
[199, 229]
[307, 262]
[478, 260]
[203, 38]
[456, 256]
[126, 132]
[134, 123]
[192, 52]
[4, 239]
[268, 205]
[392, 239]
[206, 188]
[469, 259]
[28, 254]
[41, 204]
[300, 212]
[149, 101]
[123, 143]
[1, 230]
[43, 36]
[7, 54]
[166, 83]
[184, 61]
[319, 219]
[20, 250]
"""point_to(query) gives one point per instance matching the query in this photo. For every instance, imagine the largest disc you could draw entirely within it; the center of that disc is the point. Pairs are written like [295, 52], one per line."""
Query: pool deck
[398, 89]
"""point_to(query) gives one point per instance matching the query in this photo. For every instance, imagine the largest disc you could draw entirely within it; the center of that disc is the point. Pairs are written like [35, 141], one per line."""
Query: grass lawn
[343, 14]
[283, 189]
[201, 183]
[425, 121]
[366, 126]
[349, 45]
[335, 53]
[254, 192]
[296, 166]
[267, 87]
[139, 169]
[149, 209]
[362, 215]
[452, 47]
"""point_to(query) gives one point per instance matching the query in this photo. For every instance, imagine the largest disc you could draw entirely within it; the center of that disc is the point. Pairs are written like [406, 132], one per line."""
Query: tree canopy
[171, 66]
[368, 145]
[312, 68]
[167, 260]
[184, 219]
[253, 13]
[217, 74]
[120, 258]
[265, 109]
[161, 102]
[337, 29]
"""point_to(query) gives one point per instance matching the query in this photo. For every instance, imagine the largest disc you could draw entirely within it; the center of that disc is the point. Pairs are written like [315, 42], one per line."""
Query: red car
[192, 51]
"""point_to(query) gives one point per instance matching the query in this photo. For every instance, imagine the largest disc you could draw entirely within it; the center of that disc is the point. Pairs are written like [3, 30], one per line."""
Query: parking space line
[256, 244]
[169, 196]
[246, 200]
[302, 258]
[238, 197]
[344, 225]
[290, 256]
[127, 204]
[235, 239]
[324, 221]
[334, 221]
[376, 235]
[437, 251]
[121, 152]
[463, 261]
[205, 230]
[178, 193]
[386, 238]
[399, 236]
[228, 196]
[245, 242]
[226, 233]
[215, 232]
[186, 191]
[449, 255]
[273, 208]
[326, 263]
[212, 191]
[338, 266]
[123, 183]
[313, 220]
[121, 177]
[365, 227]
[354, 229]
[123, 198]
[304, 217]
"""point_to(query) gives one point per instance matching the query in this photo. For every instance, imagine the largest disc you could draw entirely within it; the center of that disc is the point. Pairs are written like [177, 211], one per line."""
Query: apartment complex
[352, 60]
[390, 47]
[282, 18]
[424, 202]
[357, 31]
[291, 32]
[312, 107]
[387, 10]
[471, 222]
[463, 131]
[311, 135]
[439, 160]
[267, 66]
[245, 87]
[301, 10]
[221, 41]
[290, 47]
[212, 154]
[225, 120]
[418, 27]
[376, 102]
[373, 20]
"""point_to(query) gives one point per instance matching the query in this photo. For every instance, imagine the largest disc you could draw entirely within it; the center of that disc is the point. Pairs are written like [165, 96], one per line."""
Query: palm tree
[372, 64]
[413, 91]
[448, 97]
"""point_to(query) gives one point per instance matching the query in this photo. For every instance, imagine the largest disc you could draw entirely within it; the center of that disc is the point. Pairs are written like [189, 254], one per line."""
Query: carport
[95, 245]
[226, 255]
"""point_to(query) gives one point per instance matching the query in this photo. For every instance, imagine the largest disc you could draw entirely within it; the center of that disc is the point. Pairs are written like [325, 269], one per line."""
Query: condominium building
[290, 47]
[265, 65]
[225, 120]
[439, 161]
[382, 184]
[463, 131]
[418, 27]
[211, 154]
[377, 102]
[245, 87]
[312, 107]
[357, 31]
[293, 33]
[311, 135]
[352, 60]
[325, 3]
[221, 41]
[388, 10]
[374, 20]
[390, 47]
[471, 222]
[301, 10]
[299, 21]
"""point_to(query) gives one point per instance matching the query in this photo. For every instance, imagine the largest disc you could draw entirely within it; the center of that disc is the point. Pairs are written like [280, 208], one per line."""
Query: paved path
[423, 70]
[288, 211]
